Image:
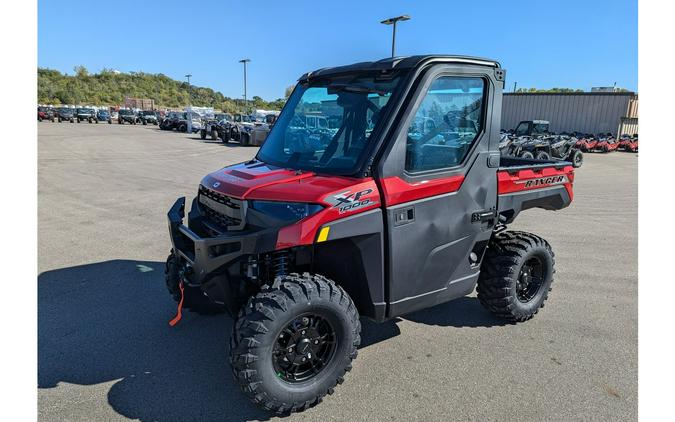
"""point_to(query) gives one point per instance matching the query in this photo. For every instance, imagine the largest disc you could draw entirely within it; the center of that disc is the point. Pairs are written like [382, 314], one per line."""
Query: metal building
[587, 112]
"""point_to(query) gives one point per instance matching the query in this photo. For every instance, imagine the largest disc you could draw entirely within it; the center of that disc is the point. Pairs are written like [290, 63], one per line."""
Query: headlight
[288, 211]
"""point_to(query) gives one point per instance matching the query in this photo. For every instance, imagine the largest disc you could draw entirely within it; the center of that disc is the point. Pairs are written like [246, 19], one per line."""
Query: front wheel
[202, 133]
[291, 345]
[516, 275]
[526, 154]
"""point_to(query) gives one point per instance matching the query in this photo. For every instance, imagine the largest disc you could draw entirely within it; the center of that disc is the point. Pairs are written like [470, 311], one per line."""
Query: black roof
[401, 62]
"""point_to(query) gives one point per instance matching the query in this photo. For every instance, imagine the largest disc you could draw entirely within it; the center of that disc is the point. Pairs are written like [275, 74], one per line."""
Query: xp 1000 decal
[348, 201]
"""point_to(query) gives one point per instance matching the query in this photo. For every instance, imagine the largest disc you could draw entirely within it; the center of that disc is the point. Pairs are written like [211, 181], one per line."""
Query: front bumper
[209, 255]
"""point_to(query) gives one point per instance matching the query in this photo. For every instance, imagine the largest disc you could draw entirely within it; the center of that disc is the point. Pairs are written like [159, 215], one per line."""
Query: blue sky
[543, 44]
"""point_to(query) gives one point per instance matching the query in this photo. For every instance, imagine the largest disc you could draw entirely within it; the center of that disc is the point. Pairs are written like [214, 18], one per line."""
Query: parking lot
[106, 352]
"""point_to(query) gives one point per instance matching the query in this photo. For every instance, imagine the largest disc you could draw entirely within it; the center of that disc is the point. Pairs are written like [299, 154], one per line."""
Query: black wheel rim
[303, 348]
[530, 279]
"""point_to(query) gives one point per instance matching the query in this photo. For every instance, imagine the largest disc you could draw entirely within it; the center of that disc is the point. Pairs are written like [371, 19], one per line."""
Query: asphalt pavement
[107, 353]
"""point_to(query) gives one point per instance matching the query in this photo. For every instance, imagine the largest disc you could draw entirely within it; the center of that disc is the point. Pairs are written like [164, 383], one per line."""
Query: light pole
[244, 61]
[189, 115]
[392, 21]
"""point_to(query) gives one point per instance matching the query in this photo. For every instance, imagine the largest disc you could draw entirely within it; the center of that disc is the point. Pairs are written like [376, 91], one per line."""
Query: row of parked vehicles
[532, 140]
[242, 128]
[607, 143]
[91, 115]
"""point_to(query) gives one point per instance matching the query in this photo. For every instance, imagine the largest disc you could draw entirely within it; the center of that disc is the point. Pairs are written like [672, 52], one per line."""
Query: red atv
[46, 113]
[632, 145]
[629, 143]
[608, 143]
[587, 143]
[403, 208]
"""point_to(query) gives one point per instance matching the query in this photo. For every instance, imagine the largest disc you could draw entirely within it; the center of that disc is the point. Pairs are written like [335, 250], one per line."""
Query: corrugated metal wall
[584, 112]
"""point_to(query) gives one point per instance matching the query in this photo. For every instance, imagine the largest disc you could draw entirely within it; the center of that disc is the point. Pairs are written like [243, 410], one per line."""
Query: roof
[595, 93]
[400, 62]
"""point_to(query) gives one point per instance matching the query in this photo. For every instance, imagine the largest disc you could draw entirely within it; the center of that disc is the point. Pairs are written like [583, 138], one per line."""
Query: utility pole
[244, 61]
[515, 85]
[392, 21]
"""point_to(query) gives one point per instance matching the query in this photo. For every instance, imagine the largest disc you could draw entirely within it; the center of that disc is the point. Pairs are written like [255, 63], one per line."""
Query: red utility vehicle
[404, 206]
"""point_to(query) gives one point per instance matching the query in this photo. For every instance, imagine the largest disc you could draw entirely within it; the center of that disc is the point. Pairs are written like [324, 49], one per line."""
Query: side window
[446, 124]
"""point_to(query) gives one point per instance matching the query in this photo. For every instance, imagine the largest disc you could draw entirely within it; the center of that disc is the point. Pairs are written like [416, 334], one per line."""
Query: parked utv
[103, 116]
[67, 114]
[46, 113]
[215, 127]
[388, 218]
[240, 130]
[128, 116]
[148, 117]
[86, 114]
[170, 121]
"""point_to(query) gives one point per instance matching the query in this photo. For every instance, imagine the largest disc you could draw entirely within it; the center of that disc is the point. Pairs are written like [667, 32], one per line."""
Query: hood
[257, 180]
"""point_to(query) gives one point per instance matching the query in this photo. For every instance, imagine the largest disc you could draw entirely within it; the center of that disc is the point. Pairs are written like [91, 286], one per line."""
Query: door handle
[483, 216]
[404, 216]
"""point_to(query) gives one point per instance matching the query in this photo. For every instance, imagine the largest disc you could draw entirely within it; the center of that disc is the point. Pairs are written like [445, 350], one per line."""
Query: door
[440, 189]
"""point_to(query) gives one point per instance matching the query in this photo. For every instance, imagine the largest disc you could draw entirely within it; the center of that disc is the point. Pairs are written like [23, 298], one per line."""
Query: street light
[392, 21]
[189, 119]
[244, 61]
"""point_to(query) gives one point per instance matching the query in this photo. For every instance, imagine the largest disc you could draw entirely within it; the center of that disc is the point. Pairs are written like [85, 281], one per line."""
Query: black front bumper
[212, 255]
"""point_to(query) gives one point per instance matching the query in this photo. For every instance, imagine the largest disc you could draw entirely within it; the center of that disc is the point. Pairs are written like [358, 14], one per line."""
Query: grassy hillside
[110, 88]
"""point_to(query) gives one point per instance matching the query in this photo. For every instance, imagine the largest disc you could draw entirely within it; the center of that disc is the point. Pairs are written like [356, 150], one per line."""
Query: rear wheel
[576, 158]
[292, 345]
[516, 275]
[182, 128]
[542, 155]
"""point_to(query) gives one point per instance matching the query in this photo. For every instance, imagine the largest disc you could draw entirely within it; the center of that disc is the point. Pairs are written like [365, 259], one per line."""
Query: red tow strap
[179, 314]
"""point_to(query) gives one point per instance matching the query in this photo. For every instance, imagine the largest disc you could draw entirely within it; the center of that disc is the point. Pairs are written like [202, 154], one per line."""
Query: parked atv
[628, 143]
[298, 243]
[127, 116]
[148, 117]
[216, 127]
[67, 114]
[46, 113]
[590, 143]
[86, 114]
[240, 130]
[607, 143]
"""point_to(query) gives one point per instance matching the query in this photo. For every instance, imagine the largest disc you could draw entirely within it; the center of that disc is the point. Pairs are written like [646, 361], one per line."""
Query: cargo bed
[524, 183]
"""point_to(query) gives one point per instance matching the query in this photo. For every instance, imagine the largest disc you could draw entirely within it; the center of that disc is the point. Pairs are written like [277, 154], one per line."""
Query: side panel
[359, 242]
[435, 247]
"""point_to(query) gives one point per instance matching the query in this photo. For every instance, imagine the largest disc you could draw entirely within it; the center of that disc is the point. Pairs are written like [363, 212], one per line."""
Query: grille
[224, 211]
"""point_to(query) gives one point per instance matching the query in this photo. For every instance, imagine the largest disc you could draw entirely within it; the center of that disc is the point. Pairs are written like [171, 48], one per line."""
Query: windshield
[148, 113]
[326, 125]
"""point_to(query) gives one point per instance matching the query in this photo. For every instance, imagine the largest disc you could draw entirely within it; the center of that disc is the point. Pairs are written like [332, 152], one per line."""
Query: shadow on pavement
[463, 312]
[108, 322]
